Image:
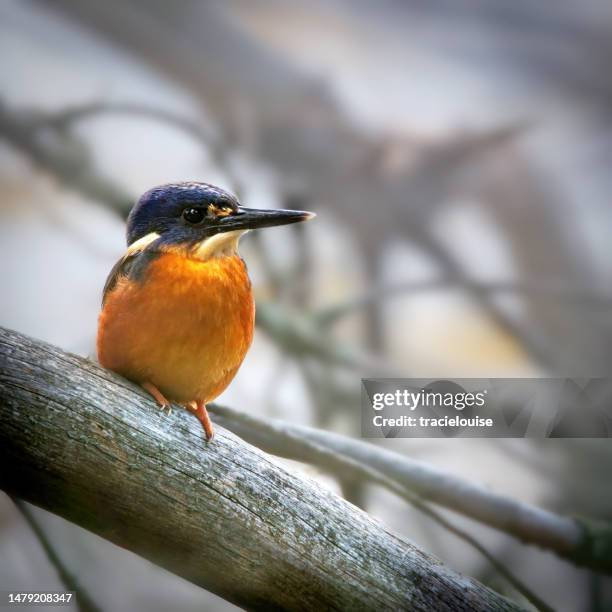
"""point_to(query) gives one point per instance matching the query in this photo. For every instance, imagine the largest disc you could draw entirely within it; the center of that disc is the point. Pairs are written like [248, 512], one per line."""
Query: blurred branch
[83, 600]
[533, 343]
[66, 117]
[63, 157]
[299, 334]
[329, 316]
[570, 538]
[209, 139]
[85, 444]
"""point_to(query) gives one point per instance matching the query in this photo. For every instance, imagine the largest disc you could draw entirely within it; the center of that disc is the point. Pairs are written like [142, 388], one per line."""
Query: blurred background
[458, 156]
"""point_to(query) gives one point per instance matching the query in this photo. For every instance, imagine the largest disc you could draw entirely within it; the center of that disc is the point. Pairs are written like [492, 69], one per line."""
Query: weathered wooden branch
[582, 541]
[302, 444]
[89, 446]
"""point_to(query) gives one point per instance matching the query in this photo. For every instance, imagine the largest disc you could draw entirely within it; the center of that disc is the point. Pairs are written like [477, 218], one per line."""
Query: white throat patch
[219, 245]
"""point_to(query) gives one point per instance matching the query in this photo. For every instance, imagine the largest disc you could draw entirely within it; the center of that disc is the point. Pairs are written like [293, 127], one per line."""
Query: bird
[178, 311]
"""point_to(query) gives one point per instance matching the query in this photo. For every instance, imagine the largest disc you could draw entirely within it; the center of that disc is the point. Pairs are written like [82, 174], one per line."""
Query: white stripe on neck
[142, 243]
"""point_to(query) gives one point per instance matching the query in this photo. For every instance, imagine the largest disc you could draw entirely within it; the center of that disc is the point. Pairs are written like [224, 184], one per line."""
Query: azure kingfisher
[177, 310]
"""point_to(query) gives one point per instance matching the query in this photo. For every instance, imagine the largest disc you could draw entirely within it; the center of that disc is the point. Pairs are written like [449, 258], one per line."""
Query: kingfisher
[178, 311]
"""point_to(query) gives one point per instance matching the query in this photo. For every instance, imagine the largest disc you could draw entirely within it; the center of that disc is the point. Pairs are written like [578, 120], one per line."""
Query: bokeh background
[458, 155]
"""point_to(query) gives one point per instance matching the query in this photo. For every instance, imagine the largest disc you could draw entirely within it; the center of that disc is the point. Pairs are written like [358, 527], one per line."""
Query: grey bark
[89, 446]
[530, 524]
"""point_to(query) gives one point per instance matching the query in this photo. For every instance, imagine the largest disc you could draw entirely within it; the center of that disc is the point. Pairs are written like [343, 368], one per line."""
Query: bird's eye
[194, 215]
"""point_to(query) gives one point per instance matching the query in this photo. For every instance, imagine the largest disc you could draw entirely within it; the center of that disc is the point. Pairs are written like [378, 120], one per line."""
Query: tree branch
[207, 137]
[64, 158]
[84, 602]
[580, 541]
[291, 444]
[84, 443]
[569, 295]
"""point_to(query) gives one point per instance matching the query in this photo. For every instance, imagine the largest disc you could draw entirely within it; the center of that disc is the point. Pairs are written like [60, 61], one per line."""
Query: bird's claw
[158, 396]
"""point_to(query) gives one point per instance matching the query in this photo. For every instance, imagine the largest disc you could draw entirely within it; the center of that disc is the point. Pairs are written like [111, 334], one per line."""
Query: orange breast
[185, 327]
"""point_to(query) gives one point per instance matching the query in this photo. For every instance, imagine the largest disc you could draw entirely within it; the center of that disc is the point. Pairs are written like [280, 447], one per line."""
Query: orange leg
[199, 409]
[157, 395]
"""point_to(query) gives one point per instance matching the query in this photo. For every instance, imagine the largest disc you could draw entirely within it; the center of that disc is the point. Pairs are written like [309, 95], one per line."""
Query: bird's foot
[158, 396]
[199, 409]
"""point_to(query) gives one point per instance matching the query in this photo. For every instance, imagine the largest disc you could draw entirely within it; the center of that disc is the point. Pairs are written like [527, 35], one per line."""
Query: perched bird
[178, 312]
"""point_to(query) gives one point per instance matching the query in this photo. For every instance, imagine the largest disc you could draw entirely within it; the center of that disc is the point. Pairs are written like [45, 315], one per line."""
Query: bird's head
[198, 218]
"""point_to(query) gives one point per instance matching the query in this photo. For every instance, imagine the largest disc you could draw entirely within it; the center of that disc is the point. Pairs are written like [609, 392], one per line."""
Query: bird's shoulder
[133, 266]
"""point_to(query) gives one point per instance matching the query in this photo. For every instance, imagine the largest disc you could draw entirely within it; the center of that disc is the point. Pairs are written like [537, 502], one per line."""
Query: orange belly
[185, 327]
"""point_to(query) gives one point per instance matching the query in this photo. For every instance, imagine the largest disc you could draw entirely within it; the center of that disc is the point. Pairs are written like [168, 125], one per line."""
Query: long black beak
[253, 218]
